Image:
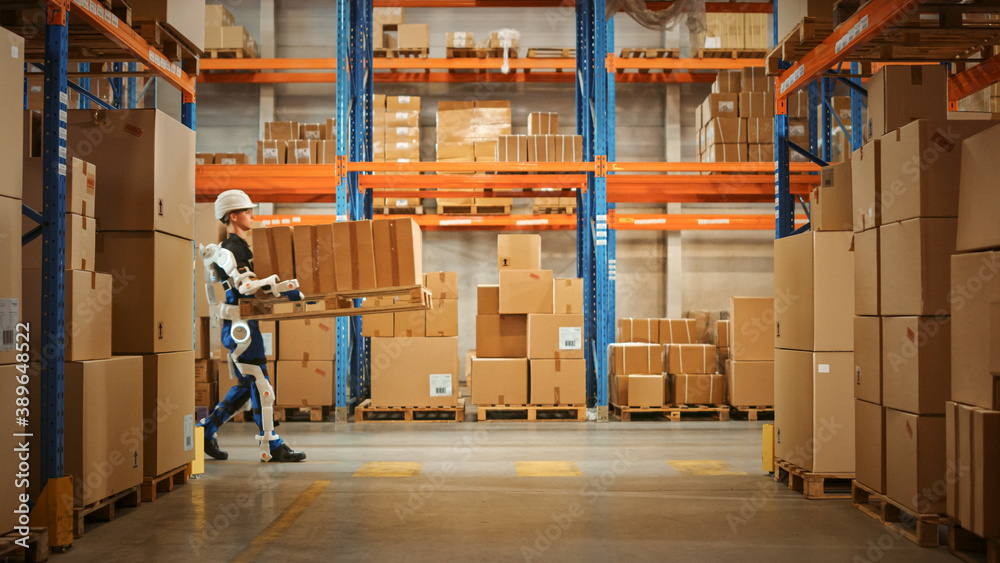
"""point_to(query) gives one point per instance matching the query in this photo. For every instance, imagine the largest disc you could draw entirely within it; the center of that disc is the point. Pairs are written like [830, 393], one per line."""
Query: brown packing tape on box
[442, 278]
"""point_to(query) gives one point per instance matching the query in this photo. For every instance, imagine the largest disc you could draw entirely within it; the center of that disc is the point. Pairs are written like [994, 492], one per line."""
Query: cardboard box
[721, 357]
[501, 336]
[750, 384]
[272, 152]
[719, 105]
[500, 381]
[832, 207]
[525, 291]
[488, 300]
[760, 153]
[964, 424]
[202, 338]
[635, 358]
[727, 82]
[751, 328]
[678, 331]
[301, 152]
[388, 16]
[200, 159]
[216, 15]
[690, 358]
[104, 426]
[206, 394]
[80, 241]
[281, 131]
[720, 334]
[916, 363]
[700, 326]
[307, 340]
[953, 456]
[543, 123]
[410, 324]
[755, 79]
[88, 314]
[898, 95]
[326, 152]
[155, 191]
[915, 262]
[814, 289]
[204, 372]
[814, 410]
[869, 445]
[760, 130]
[994, 342]
[867, 273]
[519, 252]
[185, 18]
[868, 359]
[646, 390]
[570, 149]
[512, 148]
[269, 334]
[460, 40]
[791, 12]
[618, 390]
[313, 255]
[312, 131]
[639, 330]
[696, 388]
[568, 295]
[915, 460]
[728, 152]
[354, 255]
[442, 285]
[757, 104]
[542, 148]
[726, 130]
[273, 252]
[866, 186]
[81, 186]
[985, 473]
[978, 200]
[230, 158]
[168, 405]
[414, 36]
[975, 286]
[380, 324]
[417, 372]
[153, 309]
[555, 336]
[12, 115]
[558, 382]
[920, 163]
[306, 383]
[399, 260]
[442, 318]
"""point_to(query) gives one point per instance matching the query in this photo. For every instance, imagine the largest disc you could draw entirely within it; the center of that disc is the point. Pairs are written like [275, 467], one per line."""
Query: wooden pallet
[37, 551]
[474, 209]
[649, 53]
[730, 54]
[809, 33]
[391, 210]
[339, 304]
[173, 45]
[551, 53]
[532, 413]
[473, 53]
[367, 413]
[971, 548]
[753, 412]
[672, 412]
[844, 9]
[921, 529]
[814, 486]
[104, 509]
[312, 414]
[225, 54]
[400, 53]
[553, 209]
[164, 483]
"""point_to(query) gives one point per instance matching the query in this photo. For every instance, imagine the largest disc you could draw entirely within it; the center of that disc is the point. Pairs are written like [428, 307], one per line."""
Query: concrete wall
[714, 264]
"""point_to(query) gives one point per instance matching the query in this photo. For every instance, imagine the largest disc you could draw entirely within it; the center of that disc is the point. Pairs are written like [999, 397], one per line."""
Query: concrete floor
[464, 500]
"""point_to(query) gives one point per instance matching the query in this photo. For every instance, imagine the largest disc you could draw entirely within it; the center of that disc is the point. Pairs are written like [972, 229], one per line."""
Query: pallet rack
[127, 49]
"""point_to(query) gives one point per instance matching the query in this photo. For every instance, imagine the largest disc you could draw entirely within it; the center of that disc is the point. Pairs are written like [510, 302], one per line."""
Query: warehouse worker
[232, 264]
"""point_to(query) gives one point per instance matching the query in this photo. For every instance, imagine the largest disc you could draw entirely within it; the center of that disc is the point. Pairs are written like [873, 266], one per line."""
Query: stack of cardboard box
[905, 193]
[542, 144]
[469, 132]
[407, 35]
[396, 138]
[972, 418]
[813, 357]
[291, 142]
[749, 364]
[221, 33]
[737, 31]
[146, 211]
[694, 377]
[529, 332]
[651, 337]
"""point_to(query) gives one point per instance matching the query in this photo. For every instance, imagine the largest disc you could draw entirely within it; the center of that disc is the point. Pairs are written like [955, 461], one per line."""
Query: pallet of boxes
[748, 338]
[469, 131]
[660, 367]
[396, 138]
[291, 142]
[544, 144]
[392, 37]
[921, 189]
[224, 39]
[529, 363]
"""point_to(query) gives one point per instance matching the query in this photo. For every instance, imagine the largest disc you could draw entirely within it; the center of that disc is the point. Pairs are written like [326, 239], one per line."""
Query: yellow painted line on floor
[269, 537]
[704, 467]
[547, 469]
[389, 469]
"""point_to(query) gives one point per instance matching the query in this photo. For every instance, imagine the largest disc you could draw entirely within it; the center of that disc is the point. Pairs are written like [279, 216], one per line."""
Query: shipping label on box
[271, 152]
[555, 336]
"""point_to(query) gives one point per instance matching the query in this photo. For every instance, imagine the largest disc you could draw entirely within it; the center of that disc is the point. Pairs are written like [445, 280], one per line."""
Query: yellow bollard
[198, 465]
[54, 510]
[767, 449]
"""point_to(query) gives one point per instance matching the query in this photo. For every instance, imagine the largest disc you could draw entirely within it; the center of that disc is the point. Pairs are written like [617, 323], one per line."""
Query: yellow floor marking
[547, 469]
[389, 469]
[704, 467]
[279, 525]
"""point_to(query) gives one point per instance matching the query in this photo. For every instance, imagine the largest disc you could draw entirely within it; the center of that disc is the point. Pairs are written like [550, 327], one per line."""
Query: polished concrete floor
[643, 491]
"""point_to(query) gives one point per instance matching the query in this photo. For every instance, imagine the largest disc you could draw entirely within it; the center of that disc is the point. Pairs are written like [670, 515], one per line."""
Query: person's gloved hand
[293, 295]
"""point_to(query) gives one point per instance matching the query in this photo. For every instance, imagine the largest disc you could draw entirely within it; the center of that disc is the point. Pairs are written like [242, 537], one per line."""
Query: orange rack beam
[975, 79]
[685, 222]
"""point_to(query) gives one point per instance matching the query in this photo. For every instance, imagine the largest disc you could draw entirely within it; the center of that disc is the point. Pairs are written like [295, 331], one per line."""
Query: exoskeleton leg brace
[241, 335]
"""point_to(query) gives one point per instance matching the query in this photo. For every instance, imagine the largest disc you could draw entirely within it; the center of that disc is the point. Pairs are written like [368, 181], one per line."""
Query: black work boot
[284, 454]
[212, 449]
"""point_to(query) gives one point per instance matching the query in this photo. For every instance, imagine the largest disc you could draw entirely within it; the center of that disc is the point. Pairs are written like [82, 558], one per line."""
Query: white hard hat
[229, 201]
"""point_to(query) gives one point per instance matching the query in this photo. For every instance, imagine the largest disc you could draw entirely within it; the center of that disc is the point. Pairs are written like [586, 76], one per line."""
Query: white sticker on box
[188, 432]
[312, 135]
[727, 106]
[404, 99]
[440, 384]
[271, 153]
[268, 344]
[796, 130]
[231, 160]
[36, 89]
[570, 338]
[401, 203]
[302, 154]
[8, 324]
[402, 131]
[713, 42]
[15, 53]
[823, 368]
[199, 161]
[402, 115]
